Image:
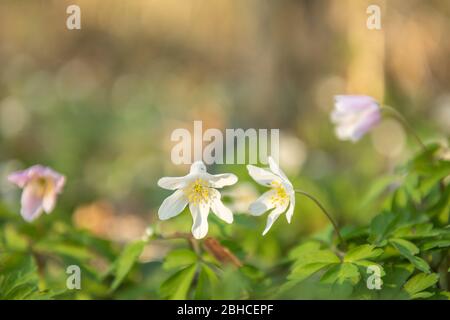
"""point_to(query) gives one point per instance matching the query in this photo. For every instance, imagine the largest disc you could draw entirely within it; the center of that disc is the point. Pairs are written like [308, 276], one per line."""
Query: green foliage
[407, 241]
[21, 280]
[125, 261]
[416, 285]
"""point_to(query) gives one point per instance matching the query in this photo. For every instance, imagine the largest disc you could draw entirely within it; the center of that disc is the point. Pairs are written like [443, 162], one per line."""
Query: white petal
[173, 183]
[31, 202]
[199, 214]
[262, 176]
[220, 209]
[49, 202]
[49, 195]
[290, 211]
[354, 103]
[273, 216]
[221, 180]
[172, 205]
[60, 181]
[198, 167]
[276, 169]
[263, 203]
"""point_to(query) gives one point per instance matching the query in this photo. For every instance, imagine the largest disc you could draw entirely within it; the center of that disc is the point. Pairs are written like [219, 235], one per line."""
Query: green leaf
[362, 252]
[207, 279]
[125, 261]
[440, 171]
[304, 248]
[404, 247]
[65, 249]
[396, 275]
[13, 239]
[20, 281]
[179, 258]
[420, 282]
[177, 286]
[394, 279]
[302, 272]
[421, 162]
[422, 295]
[309, 259]
[411, 185]
[443, 243]
[381, 226]
[342, 273]
[416, 231]
[409, 250]
[311, 253]
[377, 188]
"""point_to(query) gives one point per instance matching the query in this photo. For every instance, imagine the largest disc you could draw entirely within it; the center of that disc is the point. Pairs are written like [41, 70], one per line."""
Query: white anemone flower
[198, 190]
[279, 198]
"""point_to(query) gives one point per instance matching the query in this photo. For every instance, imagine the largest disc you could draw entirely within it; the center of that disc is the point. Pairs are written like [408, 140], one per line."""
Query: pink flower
[40, 185]
[354, 116]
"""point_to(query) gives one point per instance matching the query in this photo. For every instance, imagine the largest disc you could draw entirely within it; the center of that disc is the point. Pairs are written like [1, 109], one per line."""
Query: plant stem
[193, 243]
[317, 202]
[398, 116]
[212, 245]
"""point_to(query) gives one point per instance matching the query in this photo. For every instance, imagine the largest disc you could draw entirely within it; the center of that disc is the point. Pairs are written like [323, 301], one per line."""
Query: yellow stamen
[198, 192]
[281, 197]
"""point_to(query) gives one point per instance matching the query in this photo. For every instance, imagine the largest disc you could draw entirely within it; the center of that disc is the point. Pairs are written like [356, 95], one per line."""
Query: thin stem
[212, 245]
[193, 243]
[317, 202]
[397, 115]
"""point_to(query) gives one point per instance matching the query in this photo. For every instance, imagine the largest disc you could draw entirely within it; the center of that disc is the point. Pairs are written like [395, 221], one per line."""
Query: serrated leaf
[309, 259]
[420, 282]
[417, 231]
[366, 264]
[404, 246]
[21, 282]
[342, 273]
[304, 248]
[362, 252]
[409, 250]
[302, 272]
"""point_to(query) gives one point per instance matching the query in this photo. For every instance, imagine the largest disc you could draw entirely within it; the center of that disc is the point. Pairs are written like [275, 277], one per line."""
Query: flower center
[40, 186]
[280, 197]
[198, 192]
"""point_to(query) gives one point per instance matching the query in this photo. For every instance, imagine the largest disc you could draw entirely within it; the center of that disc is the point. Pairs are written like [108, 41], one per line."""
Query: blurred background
[99, 104]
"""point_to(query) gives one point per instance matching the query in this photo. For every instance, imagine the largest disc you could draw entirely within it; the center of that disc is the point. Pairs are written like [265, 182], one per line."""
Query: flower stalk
[210, 244]
[399, 117]
[317, 202]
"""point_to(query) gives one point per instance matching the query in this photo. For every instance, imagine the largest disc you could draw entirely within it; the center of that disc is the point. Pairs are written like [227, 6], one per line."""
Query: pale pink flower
[354, 116]
[41, 186]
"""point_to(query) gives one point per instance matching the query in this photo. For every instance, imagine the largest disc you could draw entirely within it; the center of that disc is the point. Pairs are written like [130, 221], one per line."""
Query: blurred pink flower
[354, 116]
[40, 185]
